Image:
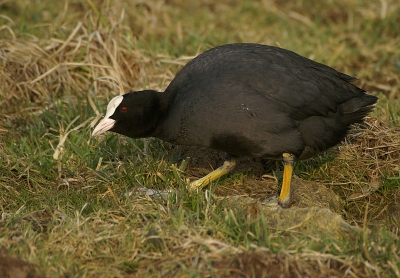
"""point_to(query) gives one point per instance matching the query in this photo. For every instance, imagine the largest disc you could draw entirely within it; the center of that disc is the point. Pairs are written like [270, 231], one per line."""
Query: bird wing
[305, 88]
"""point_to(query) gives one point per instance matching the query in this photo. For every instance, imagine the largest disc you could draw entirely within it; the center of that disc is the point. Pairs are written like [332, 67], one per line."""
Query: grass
[69, 203]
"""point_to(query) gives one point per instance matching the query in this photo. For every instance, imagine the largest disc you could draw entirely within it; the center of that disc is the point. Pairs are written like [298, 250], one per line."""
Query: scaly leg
[229, 165]
[285, 196]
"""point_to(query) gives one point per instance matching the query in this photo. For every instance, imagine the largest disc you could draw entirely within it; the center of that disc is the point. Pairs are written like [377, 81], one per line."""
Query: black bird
[246, 100]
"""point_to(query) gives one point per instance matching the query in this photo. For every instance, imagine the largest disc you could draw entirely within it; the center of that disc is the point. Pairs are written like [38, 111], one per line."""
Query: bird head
[134, 114]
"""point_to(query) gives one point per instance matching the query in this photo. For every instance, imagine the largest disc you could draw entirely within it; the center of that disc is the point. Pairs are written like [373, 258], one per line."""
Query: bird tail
[355, 109]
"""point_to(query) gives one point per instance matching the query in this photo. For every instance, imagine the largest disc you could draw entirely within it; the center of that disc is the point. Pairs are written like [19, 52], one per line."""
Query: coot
[246, 100]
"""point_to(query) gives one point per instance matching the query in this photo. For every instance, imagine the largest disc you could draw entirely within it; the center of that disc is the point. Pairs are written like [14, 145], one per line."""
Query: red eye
[123, 109]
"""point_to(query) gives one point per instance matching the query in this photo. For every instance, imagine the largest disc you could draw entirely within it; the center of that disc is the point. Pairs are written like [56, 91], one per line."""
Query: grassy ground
[68, 201]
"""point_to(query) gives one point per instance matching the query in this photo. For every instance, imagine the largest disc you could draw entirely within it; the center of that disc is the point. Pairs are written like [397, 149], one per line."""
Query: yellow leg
[229, 165]
[285, 196]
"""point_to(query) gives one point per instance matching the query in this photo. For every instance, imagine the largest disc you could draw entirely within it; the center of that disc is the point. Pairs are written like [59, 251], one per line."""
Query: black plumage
[247, 100]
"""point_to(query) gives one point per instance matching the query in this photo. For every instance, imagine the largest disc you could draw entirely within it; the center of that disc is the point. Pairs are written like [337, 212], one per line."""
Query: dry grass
[375, 150]
[40, 72]
[67, 204]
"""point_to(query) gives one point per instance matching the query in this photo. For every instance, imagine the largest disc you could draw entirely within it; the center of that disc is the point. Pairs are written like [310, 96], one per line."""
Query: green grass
[81, 216]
